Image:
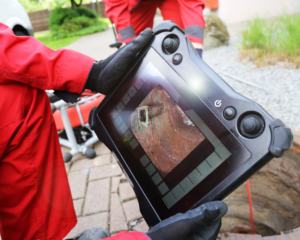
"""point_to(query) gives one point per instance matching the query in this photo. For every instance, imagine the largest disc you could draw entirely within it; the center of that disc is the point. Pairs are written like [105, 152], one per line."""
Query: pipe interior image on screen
[164, 130]
[167, 138]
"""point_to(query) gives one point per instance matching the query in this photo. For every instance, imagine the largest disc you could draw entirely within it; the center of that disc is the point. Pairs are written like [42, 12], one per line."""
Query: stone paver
[78, 156]
[98, 220]
[102, 160]
[97, 197]
[77, 182]
[141, 227]
[67, 165]
[100, 149]
[65, 149]
[105, 171]
[117, 218]
[81, 164]
[123, 177]
[78, 206]
[115, 181]
[114, 160]
[132, 210]
[126, 191]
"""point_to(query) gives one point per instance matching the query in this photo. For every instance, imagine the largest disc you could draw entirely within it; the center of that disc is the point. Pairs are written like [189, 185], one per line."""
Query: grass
[268, 42]
[46, 39]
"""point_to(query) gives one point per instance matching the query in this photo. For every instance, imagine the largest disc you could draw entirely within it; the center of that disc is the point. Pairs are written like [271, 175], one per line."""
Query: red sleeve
[27, 60]
[129, 236]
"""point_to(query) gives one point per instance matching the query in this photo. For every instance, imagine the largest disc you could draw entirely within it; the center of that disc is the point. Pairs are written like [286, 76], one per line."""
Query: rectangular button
[223, 151]
[156, 178]
[169, 200]
[214, 160]
[150, 169]
[163, 188]
[128, 135]
[178, 192]
[205, 169]
[187, 185]
[133, 143]
[195, 177]
[144, 160]
[126, 99]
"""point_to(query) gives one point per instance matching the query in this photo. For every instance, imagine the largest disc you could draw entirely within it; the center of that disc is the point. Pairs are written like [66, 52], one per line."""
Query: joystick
[251, 126]
[170, 45]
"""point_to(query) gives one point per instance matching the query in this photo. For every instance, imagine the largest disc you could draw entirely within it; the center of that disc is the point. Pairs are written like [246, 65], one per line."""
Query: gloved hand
[201, 223]
[106, 73]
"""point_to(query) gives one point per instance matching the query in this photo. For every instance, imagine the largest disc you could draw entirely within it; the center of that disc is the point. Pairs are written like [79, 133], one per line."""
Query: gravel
[275, 88]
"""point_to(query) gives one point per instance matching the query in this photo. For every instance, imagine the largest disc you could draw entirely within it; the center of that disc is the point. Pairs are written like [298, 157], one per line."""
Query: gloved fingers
[202, 215]
[108, 59]
[138, 43]
[183, 226]
[212, 211]
[209, 232]
[119, 64]
[134, 46]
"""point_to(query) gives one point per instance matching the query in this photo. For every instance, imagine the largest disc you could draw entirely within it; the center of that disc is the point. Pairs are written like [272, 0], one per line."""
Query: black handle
[281, 138]
[92, 118]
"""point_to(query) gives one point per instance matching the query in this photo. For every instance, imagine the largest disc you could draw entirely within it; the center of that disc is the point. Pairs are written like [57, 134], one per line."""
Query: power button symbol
[218, 103]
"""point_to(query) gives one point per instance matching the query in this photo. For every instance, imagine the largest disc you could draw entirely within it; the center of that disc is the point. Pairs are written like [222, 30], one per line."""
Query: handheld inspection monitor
[180, 133]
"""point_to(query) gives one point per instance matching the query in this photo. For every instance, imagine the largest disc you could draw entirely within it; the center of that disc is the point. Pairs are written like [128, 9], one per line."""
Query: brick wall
[39, 19]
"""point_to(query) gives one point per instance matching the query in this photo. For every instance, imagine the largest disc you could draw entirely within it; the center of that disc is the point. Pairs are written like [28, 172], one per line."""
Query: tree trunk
[98, 8]
[74, 4]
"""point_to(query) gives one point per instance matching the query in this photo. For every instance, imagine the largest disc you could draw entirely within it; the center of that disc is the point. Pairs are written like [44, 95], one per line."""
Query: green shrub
[59, 15]
[82, 11]
[79, 28]
[65, 22]
[77, 23]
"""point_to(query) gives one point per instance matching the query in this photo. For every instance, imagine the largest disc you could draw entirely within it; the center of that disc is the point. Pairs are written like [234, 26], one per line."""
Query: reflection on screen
[164, 131]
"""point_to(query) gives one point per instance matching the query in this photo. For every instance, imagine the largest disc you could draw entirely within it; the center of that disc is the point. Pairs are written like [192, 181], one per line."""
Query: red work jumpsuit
[35, 197]
[133, 16]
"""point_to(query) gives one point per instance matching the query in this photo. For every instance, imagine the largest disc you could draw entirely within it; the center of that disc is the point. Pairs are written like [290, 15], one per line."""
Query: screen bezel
[239, 153]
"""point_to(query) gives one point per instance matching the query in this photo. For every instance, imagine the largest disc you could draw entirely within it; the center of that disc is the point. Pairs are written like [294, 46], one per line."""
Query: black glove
[106, 73]
[201, 223]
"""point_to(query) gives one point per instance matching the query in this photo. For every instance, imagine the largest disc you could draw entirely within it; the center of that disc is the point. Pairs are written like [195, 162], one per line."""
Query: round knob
[171, 45]
[229, 113]
[251, 126]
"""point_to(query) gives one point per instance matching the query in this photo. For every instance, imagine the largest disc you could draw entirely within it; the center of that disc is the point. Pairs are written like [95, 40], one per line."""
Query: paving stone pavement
[102, 196]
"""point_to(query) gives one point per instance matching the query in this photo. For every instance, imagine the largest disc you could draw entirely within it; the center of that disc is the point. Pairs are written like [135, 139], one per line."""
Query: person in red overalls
[35, 197]
[133, 16]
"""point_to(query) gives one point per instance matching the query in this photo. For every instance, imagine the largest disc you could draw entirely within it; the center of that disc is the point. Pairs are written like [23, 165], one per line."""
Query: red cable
[250, 205]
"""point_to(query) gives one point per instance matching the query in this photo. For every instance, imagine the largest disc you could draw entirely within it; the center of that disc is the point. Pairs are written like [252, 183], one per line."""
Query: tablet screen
[173, 144]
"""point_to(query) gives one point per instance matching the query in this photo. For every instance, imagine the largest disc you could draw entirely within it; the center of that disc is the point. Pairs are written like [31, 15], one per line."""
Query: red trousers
[187, 14]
